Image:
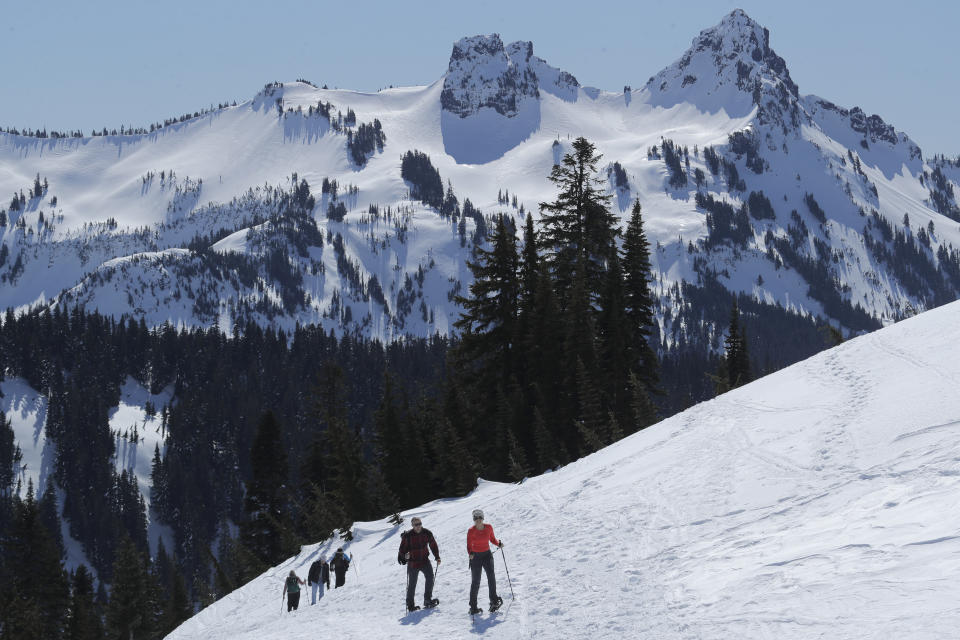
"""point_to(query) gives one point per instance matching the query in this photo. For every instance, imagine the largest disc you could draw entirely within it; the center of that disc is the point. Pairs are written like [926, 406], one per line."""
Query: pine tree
[388, 433]
[639, 301]
[737, 362]
[578, 229]
[178, 607]
[128, 604]
[10, 456]
[345, 465]
[264, 505]
[84, 621]
[612, 333]
[488, 321]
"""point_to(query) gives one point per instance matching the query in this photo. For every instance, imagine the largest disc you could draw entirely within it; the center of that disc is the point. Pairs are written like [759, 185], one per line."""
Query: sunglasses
[478, 518]
[417, 524]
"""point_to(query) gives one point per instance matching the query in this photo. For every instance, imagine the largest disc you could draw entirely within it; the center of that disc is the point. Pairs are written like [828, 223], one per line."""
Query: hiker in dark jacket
[291, 589]
[415, 547]
[340, 563]
[318, 576]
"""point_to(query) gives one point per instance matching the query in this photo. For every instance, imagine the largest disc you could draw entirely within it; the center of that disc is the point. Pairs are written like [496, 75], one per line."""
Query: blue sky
[70, 65]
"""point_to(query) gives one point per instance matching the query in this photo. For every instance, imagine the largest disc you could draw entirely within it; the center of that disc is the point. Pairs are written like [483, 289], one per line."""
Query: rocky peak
[484, 73]
[731, 66]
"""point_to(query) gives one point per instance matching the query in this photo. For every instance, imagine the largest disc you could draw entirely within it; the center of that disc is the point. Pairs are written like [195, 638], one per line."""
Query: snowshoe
[413, 608]
[431, 604]
[475, 610]
[496, 604]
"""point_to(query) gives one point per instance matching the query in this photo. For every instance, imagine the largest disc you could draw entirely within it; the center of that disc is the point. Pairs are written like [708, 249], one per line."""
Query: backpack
[293, 585]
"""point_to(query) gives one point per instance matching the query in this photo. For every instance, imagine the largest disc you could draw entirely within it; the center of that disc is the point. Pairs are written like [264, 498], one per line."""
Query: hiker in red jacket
[415, 547]
[479, 537]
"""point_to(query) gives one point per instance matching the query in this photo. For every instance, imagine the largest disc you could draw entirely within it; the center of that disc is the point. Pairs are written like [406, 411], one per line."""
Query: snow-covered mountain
[817, 502]
[223, 218]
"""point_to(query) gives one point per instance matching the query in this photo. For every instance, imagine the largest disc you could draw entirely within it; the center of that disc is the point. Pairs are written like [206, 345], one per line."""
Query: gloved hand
[438, 560]
[500, 545]
[401, 558]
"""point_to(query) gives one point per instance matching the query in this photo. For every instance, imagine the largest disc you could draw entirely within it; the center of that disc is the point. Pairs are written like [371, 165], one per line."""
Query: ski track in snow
[817, 502]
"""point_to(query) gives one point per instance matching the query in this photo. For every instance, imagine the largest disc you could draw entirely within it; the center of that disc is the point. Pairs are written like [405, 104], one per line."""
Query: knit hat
[477, 514]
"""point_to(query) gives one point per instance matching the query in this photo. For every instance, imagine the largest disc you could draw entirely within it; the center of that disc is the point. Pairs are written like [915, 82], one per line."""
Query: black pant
[412, 574]
[293, 601]
[482, 560]
[341, 578]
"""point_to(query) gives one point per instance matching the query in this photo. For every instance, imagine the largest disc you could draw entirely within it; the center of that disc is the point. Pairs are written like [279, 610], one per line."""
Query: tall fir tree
[639, 301]
[84, 621]
[578, 229]
[737, 361]
[129, 609]
[346, 468]
[265, 502]
[488, 321]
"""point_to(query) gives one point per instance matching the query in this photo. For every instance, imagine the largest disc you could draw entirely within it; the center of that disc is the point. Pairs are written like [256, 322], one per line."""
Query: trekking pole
[282, 598]
[509, 582]
[355, 567]
[406, 571]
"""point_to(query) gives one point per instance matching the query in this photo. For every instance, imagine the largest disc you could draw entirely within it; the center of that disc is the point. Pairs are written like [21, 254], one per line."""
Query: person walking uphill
[479, 537]
[340, 563]
[318, 576]
[291, 589]
[415, 547]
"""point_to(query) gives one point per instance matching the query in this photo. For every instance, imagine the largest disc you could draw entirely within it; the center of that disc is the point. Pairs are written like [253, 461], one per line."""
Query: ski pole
[509, 582]
[406, 571]
[355, 567]
[282, 598]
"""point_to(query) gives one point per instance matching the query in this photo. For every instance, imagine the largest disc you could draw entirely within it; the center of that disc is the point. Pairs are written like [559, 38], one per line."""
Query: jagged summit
[731, 66]
[484, 74]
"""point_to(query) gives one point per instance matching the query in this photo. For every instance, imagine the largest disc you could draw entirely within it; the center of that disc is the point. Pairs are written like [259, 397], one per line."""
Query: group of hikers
[317, 577]
[415, 548]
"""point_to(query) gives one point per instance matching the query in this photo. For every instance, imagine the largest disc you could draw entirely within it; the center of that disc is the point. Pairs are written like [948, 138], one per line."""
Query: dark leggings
[293, 601]
[483, 561]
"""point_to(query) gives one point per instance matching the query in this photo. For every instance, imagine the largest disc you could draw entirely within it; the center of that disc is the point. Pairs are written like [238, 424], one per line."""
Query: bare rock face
[484, 74]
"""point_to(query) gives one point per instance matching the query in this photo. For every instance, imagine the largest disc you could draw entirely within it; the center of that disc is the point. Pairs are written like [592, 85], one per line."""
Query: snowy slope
[498, 120]
[818, 502]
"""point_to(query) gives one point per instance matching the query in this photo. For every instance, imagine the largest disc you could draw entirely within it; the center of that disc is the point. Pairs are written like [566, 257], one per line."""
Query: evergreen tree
[488, 321]
[578, 228]
[737, 363]
[264, 505]
[84, 621]
[37, 583]
[128, 609]
[10, 456]
[612, 333]
[178, 607]
[346, 469]
[639, 301]
[389, 441]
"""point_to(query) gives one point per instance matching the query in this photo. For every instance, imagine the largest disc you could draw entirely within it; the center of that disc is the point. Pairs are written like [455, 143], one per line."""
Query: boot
[496, 604]
[474, 610]
[431, 604]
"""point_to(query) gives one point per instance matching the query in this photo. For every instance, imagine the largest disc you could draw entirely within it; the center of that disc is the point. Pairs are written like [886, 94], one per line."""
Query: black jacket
[319, 572]
[340, 562]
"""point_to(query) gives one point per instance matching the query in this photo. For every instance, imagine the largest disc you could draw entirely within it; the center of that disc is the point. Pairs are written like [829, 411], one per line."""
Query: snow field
[819, 501]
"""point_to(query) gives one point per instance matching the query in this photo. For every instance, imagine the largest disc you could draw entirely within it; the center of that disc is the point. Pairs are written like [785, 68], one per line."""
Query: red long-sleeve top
[479, 541]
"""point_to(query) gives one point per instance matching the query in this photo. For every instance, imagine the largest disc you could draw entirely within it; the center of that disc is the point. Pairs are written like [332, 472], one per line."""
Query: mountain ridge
[765, 135]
